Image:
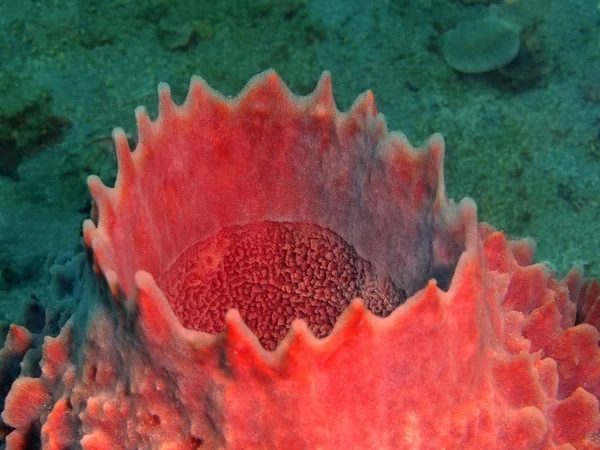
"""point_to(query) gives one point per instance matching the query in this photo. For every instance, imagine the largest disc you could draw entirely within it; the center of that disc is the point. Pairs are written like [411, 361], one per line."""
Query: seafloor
[523, 140]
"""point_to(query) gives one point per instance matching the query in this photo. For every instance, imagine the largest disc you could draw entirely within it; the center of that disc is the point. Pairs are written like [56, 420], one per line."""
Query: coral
[269, 272]
[482, 45]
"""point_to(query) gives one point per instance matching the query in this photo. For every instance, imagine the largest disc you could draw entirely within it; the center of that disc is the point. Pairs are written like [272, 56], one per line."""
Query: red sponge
[271, 273]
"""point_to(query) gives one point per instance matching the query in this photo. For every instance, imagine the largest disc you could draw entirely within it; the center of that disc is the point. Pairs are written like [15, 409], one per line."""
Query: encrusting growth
[273, 273]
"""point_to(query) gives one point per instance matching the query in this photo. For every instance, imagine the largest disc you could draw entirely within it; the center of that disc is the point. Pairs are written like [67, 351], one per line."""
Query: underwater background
[514, 86]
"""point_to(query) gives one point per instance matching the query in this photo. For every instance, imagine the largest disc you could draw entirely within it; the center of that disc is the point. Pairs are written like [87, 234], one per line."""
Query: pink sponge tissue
[271, 273]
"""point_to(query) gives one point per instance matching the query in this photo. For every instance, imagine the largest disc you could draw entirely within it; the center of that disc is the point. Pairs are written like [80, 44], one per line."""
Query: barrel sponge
[482, 45]
[269, 272]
